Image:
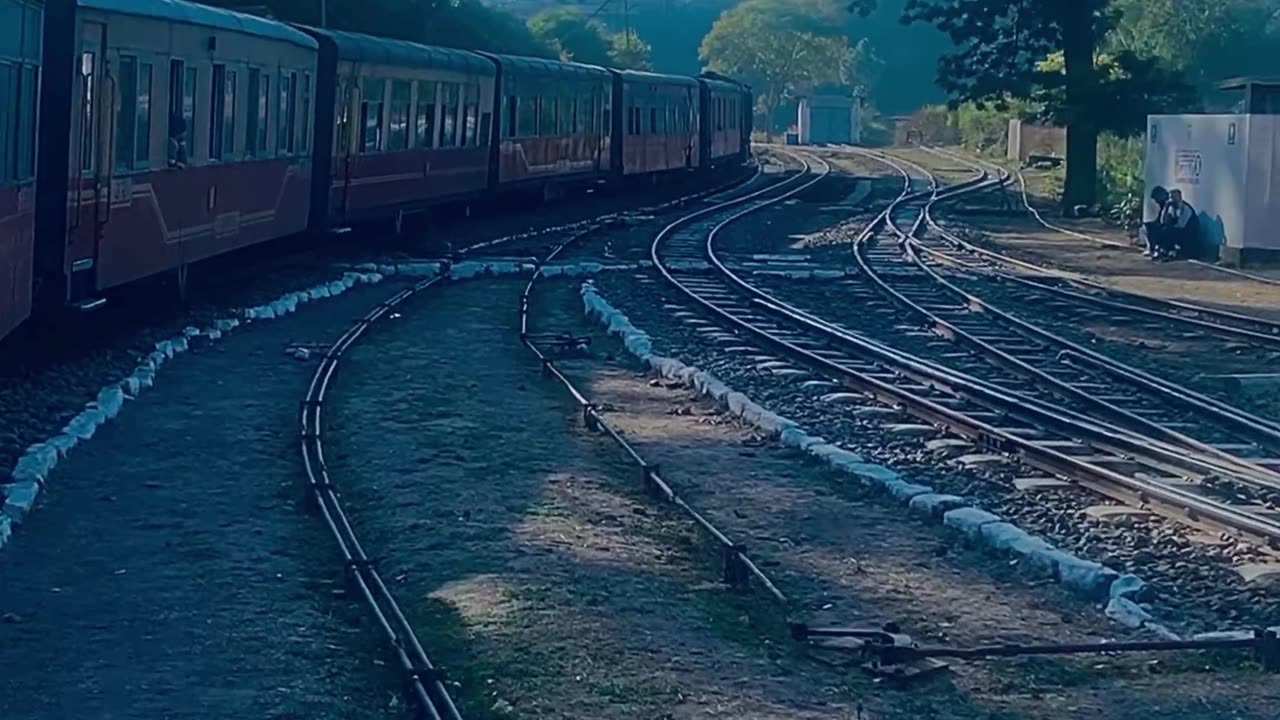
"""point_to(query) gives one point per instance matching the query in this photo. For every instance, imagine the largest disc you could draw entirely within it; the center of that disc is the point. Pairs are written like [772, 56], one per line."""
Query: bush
[982, 130]
[1120, 179]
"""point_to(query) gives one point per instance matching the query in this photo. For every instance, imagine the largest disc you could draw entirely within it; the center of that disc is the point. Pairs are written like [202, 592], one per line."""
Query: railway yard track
[835, 303]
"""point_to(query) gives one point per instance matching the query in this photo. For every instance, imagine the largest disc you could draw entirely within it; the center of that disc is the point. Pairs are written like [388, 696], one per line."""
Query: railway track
[1057, 440]
[1046, 363]
[424, 681]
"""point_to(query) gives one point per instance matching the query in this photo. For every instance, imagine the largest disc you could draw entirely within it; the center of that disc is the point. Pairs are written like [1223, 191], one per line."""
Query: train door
[342, 157]
[89, 187]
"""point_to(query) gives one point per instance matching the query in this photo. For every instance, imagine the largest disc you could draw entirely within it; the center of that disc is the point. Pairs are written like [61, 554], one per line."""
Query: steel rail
[424, 680]
[738, 567]
[1246, 327]
[1190, 508]
[1256, 427]
[1264, 432]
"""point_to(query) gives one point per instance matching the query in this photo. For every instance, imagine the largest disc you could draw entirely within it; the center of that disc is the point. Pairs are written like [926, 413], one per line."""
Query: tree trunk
[1081, 186]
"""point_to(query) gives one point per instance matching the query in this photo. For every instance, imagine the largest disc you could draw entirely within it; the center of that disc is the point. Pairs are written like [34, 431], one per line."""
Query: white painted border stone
[1083, 577]
[34, 467]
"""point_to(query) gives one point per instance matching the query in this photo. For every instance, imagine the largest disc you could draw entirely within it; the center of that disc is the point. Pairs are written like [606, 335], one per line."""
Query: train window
[547, 116]
[486, 128]
[27, 124]
[142, 142]
[8, 87]
[371, 115]
[587, 109]
[654, 128]
[510, 117]
[177, 127]
[342, 119]
[304, 127]
[216, 100]
[528, 114]
[286, 116]
[126, 112]
[564, 115]
[88, 138]
[255, 134]
[398, 129]
[229, 116]
[471, 115]
[450, 100]
[425, 118]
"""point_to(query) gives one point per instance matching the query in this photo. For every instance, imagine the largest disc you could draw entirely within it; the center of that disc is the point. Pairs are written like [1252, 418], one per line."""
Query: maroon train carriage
[398, 126]
[722, 136]
[20, 38]
[190, 132]
[554, 121]
[658, 123]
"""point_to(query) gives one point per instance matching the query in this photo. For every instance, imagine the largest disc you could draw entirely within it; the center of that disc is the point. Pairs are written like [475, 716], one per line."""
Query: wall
[1207, 157]
[1027, 139]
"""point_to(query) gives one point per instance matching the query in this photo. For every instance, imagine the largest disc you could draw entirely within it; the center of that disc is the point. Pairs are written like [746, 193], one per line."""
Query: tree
[1129, 88]
[1209, 40]
[629, 51]
[465, 24]
[571, 35]
[1000, 42]
[782, 48]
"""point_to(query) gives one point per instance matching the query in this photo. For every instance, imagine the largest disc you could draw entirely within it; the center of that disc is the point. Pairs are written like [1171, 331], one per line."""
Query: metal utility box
[830, 119]
[1226, 167]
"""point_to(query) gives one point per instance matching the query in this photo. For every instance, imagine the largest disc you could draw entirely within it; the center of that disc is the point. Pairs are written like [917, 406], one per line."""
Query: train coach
[20, 40]
[658, 125]
[171, 132]
[725, 130]
[398, 126]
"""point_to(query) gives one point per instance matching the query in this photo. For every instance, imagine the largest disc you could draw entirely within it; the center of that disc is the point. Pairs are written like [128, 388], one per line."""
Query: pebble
[1195, 585]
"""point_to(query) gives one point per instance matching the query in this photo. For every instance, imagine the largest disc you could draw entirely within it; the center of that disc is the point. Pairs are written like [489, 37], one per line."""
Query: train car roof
[651, 77]
[384, 51]
[205, 16]
[542, 66]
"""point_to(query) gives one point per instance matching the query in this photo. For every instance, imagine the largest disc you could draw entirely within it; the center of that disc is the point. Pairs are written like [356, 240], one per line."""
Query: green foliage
[574, 38]
[465, 24]
[629, 51]
[782, 48]
[1119, 169]
[1208, 40]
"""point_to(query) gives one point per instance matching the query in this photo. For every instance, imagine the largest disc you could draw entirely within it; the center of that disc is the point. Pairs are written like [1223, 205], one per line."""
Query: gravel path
[172, 572]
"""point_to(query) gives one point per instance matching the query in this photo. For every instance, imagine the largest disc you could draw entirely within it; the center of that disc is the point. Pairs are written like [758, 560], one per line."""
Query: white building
[830, 118]
[1228, 168]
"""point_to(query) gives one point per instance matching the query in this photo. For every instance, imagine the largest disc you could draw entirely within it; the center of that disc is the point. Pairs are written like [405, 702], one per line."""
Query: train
[145, 136]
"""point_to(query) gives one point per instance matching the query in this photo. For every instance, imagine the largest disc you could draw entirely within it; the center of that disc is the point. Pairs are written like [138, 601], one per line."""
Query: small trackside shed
[830, 118]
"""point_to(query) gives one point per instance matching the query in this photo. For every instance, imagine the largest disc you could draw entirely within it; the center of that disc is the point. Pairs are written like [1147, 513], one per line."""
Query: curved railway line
[1112, 460]
[1050, 363]
[424, 681]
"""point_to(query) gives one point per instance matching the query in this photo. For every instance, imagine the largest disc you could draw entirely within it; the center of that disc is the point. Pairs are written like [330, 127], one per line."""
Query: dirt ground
[548, 585]
[172, 572]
